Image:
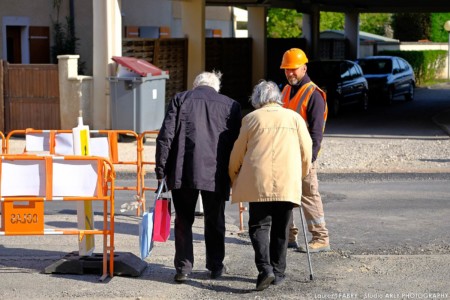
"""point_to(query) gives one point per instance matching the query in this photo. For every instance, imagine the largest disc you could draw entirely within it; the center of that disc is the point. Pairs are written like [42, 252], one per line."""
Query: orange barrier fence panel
[2, 136]
[146, 160]
[104, 143]
[23, 218]
[29, 181]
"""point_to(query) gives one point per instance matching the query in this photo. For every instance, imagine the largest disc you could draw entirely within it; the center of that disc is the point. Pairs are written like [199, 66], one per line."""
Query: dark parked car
[343, 81]
[388, 77]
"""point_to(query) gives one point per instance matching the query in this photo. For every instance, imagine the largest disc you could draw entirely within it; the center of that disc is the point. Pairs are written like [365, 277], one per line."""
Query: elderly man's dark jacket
[194, 143]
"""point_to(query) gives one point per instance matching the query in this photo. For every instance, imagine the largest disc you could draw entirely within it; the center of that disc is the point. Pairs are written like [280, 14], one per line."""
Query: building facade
[27, 27]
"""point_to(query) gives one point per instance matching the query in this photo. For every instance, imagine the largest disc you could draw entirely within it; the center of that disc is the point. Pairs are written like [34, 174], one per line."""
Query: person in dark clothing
[192, 152]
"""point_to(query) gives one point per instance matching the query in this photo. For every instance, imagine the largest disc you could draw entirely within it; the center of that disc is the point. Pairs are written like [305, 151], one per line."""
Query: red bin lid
[139, 66]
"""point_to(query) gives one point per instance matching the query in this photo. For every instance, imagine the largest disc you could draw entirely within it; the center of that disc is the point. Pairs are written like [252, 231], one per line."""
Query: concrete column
[351, 30]
[193, 26]
[107, 43]
[75, 92]
[257, 30]
[69, 103]
[2, 99]
[311, 32]
[307, 28]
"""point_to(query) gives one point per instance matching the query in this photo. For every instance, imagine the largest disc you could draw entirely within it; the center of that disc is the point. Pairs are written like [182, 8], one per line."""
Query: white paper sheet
[74, 178]
[35, 142]
[64, 144]
[23, 178]
[99, 147]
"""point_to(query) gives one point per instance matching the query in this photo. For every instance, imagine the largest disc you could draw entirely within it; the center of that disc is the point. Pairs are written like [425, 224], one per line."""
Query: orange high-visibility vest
[299, 102]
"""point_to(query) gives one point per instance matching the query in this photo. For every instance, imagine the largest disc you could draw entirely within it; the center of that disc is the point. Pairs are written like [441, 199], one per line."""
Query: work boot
[315, 247]
[293, 245]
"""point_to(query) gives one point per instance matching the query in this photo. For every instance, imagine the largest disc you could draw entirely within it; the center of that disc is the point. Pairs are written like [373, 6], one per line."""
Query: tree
[284, 23]
[287, 23]
[437, 32]
[331, 21]
[65, 41]
[411, 26]
[375, 23]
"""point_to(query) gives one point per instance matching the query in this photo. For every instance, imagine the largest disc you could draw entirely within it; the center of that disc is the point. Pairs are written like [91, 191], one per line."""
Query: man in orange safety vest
[306, 98]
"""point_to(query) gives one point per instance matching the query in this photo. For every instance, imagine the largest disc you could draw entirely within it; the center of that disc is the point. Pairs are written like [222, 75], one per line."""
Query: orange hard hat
[293, 59]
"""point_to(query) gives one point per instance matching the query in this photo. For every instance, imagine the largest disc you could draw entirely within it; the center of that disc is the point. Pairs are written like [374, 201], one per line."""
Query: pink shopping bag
[161, 221]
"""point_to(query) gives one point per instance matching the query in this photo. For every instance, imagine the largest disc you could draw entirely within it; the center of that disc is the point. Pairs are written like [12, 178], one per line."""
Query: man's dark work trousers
[184, 201]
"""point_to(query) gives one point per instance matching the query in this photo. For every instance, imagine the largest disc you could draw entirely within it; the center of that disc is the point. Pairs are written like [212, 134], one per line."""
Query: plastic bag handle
[161, 186]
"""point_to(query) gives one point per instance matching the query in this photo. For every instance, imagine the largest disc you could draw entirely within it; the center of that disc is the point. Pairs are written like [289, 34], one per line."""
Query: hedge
[426, 64]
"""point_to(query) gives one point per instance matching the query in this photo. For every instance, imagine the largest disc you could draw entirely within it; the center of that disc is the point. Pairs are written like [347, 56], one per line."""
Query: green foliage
[331, 21]
[284, 23]
[287, 23]
[374, 23]
[65, 41]
[426, 64]
[411, 26]
[437, 32]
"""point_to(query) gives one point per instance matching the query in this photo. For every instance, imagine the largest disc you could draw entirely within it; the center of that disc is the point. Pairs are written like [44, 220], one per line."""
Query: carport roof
[344, 5]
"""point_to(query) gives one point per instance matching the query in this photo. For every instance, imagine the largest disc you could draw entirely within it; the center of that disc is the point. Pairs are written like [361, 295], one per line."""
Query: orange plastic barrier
[49, 139]
[144, 163]
[67, 178]
[2, 136]
[242, 209]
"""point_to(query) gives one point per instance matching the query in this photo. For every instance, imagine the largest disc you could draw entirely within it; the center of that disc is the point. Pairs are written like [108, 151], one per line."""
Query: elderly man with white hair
[268, 162]
[192, 152]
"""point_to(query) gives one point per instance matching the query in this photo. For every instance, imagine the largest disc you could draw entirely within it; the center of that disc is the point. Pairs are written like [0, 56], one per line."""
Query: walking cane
[306, 244]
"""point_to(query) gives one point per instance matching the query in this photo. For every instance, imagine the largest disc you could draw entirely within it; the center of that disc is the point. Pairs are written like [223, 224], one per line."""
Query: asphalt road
[402, 118]
[366, 213]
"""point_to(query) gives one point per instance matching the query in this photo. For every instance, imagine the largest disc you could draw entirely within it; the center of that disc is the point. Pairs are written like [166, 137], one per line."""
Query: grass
[433, 82]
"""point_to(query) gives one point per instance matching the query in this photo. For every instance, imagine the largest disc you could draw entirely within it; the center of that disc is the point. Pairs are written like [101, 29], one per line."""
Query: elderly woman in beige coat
[268, 161]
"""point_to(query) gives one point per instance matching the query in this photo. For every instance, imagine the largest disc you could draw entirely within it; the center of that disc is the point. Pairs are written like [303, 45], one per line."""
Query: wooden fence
[31, 96]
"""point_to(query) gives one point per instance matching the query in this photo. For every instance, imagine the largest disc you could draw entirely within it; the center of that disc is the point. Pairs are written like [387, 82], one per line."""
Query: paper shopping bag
[146, 234]
[161, 221]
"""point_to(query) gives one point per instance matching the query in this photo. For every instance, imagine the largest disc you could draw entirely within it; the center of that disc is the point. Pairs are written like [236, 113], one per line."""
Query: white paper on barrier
[99, 147]
[74, 178]
[37, 142]
[23, 178]
[64, 144]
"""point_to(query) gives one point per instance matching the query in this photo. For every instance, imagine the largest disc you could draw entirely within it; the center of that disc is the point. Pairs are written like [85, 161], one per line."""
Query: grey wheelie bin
[137, 95]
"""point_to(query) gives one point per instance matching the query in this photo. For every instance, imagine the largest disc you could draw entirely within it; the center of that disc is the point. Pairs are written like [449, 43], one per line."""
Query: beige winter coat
[270, 157]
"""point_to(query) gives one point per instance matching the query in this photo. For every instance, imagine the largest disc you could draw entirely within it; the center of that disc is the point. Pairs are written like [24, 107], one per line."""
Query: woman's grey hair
[265, 92]
[211, 79]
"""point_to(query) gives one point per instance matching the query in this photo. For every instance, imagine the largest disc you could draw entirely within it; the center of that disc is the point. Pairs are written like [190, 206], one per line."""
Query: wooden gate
[31, 95]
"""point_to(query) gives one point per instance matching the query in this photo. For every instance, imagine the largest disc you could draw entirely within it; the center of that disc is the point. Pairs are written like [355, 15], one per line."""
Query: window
[353, 71]
[39, 45]
[403, 65]
[345, 72]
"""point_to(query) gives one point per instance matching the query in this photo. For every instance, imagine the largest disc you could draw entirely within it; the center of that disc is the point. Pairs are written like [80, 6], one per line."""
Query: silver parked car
[388, 77]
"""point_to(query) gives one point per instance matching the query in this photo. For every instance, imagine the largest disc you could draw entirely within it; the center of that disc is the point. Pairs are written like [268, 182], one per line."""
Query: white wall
[146, 12]
[240, 15]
